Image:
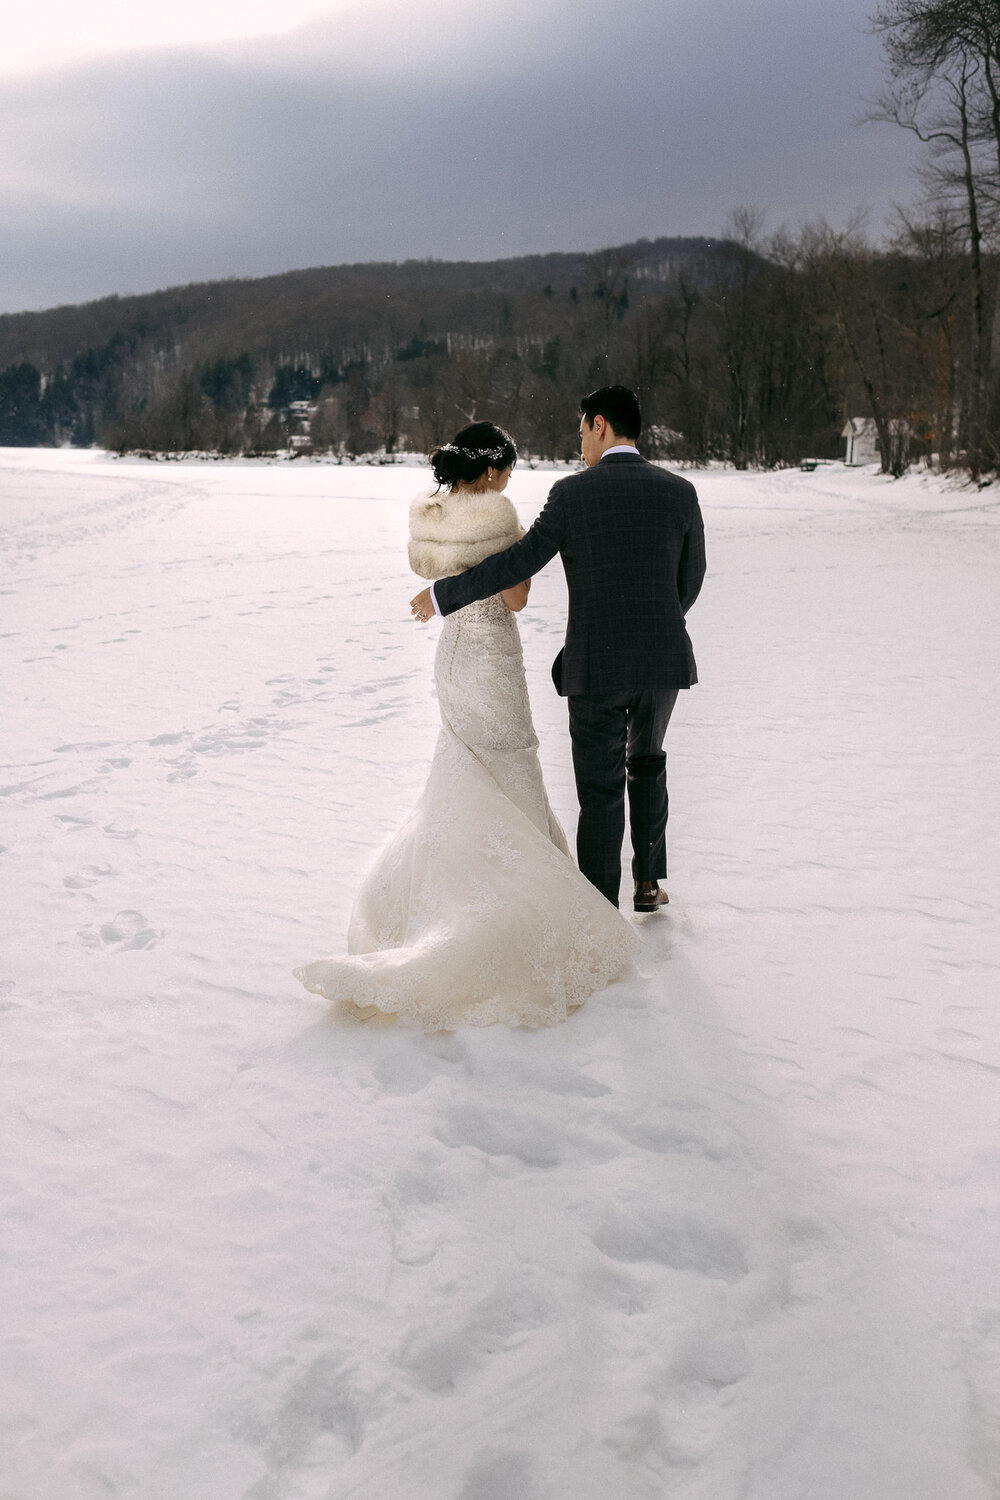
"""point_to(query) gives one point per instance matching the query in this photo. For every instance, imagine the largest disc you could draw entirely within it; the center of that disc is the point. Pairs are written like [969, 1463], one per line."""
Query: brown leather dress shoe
[647, 896]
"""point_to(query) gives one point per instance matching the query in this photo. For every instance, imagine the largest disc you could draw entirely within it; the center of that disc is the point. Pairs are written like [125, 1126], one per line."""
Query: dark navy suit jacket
[632, 543]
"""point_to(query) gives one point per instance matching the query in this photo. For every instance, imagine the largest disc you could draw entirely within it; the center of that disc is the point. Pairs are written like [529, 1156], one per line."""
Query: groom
[632, 544]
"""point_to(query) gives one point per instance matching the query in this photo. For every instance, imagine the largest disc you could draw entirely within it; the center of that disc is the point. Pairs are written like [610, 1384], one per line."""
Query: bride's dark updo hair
[471, 452]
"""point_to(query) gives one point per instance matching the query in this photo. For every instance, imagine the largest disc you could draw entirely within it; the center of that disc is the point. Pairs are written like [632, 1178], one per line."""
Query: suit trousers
[617, 744]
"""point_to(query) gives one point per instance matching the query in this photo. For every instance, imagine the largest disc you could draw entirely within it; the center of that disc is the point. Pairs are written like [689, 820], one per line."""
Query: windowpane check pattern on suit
[632, 543]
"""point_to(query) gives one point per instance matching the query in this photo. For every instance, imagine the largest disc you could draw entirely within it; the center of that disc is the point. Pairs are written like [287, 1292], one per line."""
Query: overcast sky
[147, 146]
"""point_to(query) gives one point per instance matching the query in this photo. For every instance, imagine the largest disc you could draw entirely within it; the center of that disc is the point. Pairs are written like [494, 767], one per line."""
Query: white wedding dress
[475, 913]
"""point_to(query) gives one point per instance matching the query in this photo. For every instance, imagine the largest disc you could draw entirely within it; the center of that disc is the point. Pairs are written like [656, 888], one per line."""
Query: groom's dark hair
[619, 408]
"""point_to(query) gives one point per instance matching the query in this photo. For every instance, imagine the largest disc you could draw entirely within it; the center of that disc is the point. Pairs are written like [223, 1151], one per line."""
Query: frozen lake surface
[731, 1233]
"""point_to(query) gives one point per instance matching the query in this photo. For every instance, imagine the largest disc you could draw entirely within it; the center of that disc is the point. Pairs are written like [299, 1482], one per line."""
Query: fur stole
[450, 532]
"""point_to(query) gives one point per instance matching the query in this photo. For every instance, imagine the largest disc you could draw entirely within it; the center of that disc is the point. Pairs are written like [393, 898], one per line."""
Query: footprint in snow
[710, 1362]
[125, 930]
[252, 734]
[184, 768]
[642, 1231]
[320, 1420]
[670, 1137]
[953, 1036]
[644, 1438]
[557, 1078]
[119, 829]
[675, 1424]
[529, 1138]
[614, 1289]
[500, 1474]
[90, 875]
[66, 791]
[442, 1364]
[403, 1069]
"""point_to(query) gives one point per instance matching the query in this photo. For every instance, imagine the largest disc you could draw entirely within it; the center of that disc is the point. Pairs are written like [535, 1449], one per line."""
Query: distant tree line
[751, 350]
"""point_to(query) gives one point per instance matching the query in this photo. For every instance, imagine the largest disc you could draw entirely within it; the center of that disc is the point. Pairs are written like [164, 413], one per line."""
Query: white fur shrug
[451, 531]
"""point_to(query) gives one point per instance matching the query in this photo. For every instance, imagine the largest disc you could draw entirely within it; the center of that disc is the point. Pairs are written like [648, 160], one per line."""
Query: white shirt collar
[621, 448]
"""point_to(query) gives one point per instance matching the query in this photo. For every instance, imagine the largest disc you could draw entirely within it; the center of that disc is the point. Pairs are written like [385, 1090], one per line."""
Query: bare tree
[944, 87]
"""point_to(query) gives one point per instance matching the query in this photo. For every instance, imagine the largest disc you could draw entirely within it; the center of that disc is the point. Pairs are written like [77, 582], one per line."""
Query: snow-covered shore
[730, 1234]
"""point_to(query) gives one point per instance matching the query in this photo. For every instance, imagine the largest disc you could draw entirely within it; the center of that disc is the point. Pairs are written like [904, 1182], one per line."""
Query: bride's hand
[517, 597]
[421, 606]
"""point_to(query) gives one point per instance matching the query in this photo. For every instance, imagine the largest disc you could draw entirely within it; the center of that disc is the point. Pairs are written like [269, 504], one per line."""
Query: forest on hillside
[752, 349]
[746, 350]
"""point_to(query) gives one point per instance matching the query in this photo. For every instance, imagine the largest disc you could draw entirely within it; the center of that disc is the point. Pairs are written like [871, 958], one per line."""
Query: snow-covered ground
[732, 1233]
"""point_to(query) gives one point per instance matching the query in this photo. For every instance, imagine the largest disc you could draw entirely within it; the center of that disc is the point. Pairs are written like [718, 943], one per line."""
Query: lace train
[475, 913]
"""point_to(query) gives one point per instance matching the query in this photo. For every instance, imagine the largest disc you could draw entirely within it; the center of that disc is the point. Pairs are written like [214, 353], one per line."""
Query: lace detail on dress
[475, 913]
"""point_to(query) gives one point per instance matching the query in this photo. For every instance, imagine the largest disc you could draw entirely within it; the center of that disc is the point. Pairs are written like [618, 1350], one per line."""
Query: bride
[475, 913]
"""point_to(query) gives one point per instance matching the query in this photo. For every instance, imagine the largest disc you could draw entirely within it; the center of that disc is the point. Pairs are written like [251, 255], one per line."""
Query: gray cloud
[411, 133]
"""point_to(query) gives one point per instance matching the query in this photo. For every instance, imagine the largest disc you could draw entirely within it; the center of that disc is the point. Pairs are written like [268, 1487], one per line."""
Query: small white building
[301, 411]
[863, 446]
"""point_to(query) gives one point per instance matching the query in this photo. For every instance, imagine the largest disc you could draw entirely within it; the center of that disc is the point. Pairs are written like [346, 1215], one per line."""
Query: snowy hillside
[731, 1233]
